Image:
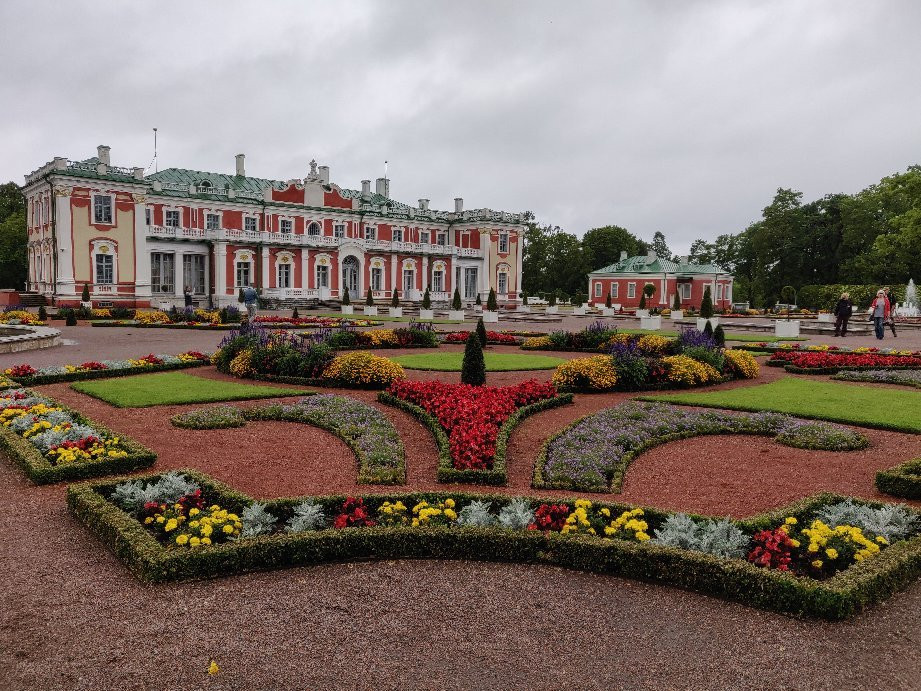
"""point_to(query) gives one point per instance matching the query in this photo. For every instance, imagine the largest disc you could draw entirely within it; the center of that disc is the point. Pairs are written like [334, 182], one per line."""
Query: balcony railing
[318, 241]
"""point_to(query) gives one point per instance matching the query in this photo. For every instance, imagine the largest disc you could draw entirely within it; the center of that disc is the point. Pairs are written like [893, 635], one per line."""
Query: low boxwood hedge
[498, 475]
[104, 373]
[903, 480]
[40, 470]
[841, 596]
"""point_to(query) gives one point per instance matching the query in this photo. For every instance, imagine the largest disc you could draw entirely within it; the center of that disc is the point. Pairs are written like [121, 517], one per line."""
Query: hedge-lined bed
[373, 439]
[883, 376]
[903, 480]
[26, 375]
[641, 543]
[498, 474]
[593, 453]
[84, 448]
[828, 362]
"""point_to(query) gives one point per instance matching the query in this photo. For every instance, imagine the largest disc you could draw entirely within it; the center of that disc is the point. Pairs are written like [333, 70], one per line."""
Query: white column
[519, 237]
[141, 255]
[64, 252]
[265, 269]
[394, 272]
[306, 278]
[425, 275]
[220, 273]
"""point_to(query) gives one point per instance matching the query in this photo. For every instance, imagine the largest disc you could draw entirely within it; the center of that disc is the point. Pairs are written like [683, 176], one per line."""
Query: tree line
[872, 237]
[14, 258]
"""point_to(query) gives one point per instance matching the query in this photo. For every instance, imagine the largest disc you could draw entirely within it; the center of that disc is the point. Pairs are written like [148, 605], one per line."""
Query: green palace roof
[652, 264]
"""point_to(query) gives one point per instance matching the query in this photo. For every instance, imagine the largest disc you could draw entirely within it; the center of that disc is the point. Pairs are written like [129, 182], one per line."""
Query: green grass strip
[495, 362]
[169, 388]
[864, 406]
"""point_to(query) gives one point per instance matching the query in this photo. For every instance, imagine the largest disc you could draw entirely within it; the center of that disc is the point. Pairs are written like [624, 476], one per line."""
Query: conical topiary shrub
[481, 331]
[479, 300]
[706, 306]
[71, 319]
[294, 314]
[491, 303]
[426, 300]
[42, 314]
[240, 296]
[346, 298]
[607, 300]
[708, 329]
[456, 302]
[719, 335]
[473, 371]
[85, 295]
[395, 300]
[369, 299]
[676, 303]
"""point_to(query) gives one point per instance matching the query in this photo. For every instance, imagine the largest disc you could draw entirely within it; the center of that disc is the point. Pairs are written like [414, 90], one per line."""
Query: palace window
[147, 215]
[424, 237]
[503, 243]
[102, 208]
[438, 281]
[470, 283]
[685, 291]
[193, 273]
[442, 239]
[313, 228]
[284, 225]
[615, 289]
[377, 277]
[503, 283]
[322, 276]
[719, 291]
[250, 224]
[370, 233]
[339, 230]
[409, 280]
[398, 235]
[631, 290]
[105, 269]
[212, 221]
[727, 293]
[171, 219]
[162, 273]
[243, 274]
[597, 290]
[284, 275]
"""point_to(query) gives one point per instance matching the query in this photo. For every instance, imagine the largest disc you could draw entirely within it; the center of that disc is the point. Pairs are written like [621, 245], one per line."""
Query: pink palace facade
[138, 240]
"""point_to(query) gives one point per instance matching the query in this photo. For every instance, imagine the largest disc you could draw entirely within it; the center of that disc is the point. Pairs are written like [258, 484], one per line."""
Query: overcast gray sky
[682, 117]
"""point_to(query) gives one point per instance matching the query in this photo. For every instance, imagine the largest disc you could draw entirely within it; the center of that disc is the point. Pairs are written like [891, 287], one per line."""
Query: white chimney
[623, 255]
[458, 204]
[102, 153]
[241, 171]
[424, 204]
[383, 186]
[365, 188]
[324, 174]
[651, 255]
[138, 173]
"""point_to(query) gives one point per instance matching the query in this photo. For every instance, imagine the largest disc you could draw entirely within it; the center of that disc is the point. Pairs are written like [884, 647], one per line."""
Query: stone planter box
[552, 310]
[524, 308]
[608, 311]
[456, 315]
[370, 311]
[490, 317]
[396, 312]
[578, 311]
[702, 323]
[653, 323]
[826, 318]
[782, 327]
[640, 314]
[348, 309]
[478, 309]
[426, 315]
[676, 314]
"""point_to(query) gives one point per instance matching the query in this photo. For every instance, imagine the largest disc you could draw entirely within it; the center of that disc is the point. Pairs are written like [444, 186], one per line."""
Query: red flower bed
[197, 355]
[353, 515]
[151, 359]
[772, 549]
[549, 517]
[494, 337]
[816, 360]
[21, 371]
[471, 415]
[93, 365]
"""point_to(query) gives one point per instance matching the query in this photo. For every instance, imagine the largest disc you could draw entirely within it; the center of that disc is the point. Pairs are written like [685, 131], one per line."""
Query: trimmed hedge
[903, 480]
[40, 470]
[446, 470]
[842, 596]
[40, 379]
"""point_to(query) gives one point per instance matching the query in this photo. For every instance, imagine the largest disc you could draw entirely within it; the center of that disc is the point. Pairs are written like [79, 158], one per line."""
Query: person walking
[891, 298]
[879, 313]
[843, 310]
[249, 299]
[187, 293]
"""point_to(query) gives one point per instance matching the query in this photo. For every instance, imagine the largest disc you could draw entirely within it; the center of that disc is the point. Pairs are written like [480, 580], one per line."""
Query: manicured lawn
[495, 362]
[381, 316]
[866, 406]
[167, 388]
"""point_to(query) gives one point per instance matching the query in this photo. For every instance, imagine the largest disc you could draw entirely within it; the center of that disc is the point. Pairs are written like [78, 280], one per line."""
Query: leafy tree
[552, 301]
[602, 246]
[659, 246]
[473, 369]
[481, 331]
[14, 258]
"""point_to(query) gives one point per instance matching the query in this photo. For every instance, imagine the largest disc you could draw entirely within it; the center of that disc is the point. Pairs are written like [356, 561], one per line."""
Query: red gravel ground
[73, 617]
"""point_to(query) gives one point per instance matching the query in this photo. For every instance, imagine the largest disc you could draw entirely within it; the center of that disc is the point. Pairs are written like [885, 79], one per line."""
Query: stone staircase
[32, 299]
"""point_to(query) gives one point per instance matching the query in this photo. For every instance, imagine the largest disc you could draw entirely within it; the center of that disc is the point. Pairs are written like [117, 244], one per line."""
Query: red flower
[772, 550]
[353, 515]
[22, 371]
[549, 517]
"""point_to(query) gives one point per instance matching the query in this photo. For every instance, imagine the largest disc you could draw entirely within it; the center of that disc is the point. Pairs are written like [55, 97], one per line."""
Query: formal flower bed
[882, 376]
[375, 441]
[601, 337]
[20, 317]
[593, 453]
[492, 338]
[469, 422]
[416, 335]
[827, 362]
[52, 443]
[27, 375]
[185, 525]
[314, 322]
[903, 480]
[784, 347]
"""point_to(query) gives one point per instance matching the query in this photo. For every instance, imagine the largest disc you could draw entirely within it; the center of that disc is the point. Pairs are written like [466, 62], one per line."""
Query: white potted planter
[826, 318]
[652, 323]
[677, 314]
[524, 308]
[348, 309]
[478, 309]
[396, 312]
[370, 311]
[783, 327]
[456, 315]
[552, 310]
[490, 317]
[608, 311]
[426, 315]
[702, 323]
[641, 314]
[579, 311]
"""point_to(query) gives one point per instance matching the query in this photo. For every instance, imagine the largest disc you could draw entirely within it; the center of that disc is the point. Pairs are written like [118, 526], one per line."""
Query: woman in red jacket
[879, 312]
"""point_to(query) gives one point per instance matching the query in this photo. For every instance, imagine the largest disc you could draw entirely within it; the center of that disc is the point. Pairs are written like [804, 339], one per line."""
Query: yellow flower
[213, 668]
[193, 512]
[227, 529]
[791, 521]
[194, 541]
[182, 539]
[831, 553]
[817, 563]
[170, 525]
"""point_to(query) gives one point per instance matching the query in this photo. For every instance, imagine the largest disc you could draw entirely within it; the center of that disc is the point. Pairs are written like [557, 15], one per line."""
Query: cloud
[679, 117]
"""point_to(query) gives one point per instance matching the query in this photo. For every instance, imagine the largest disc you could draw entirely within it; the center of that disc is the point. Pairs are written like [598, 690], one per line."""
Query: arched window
[313, 228]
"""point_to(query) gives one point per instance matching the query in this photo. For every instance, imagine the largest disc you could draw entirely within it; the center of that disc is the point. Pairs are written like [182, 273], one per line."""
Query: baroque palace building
[139, 240]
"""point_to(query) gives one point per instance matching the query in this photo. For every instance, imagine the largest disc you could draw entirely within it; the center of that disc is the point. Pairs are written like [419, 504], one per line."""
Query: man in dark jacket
[891, 298]
[843, 309]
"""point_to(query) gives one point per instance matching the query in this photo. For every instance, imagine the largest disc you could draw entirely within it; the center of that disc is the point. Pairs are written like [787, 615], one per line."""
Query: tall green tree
[602, 246]
[14, 238]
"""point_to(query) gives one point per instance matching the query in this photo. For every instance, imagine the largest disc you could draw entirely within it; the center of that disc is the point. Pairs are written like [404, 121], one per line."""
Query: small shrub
[85, 295]
[719, 335]
[369, 299]
[395, 299]
[71, 318]
[346, 300]
[456, 300]
[607, 300]
[426, 300]
[516, 515]
[308, 515]
[676, 303]
[256, 520]
[42, 313]
[477, 515]
[361, 368]
[491, 303]
[295, 314]
[596, 373]
[218, 417]
[481, 331]
[706, 305]
[722, 538]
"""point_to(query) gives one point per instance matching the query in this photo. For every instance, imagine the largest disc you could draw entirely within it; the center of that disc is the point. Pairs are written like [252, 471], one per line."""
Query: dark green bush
[426, 300]
[473, 369]
[71, 318]
[706, 306]
[85, 294]
[295, 314]
[42, 313]
[491, 303]
[481, 331]
[903, 480]
[346, 300]
[395, 299]
[456, 300]
[719, 336]
[369, 299]
[709, 356]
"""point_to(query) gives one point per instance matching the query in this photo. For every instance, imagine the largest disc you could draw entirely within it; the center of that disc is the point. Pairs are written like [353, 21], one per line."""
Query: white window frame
[686, 290]
[377, 278]
[409, 272]
[253, 221]
[321, 276]
[285, 223]
[148, 215]
[615, 289]
[339, 230]
[727, 293]
[424, 237]
[503, 243]
[111, 267]
[370, 232]
[441, 239]
[238, 266]
[397, 235]
[192, 260]
[631, 290]
[166, 214]
[155, 286]
[719, 291]
[111, 198]
[598, 289]
[438, 281]
[283, 269]
[217, 221]
[312, 224]
[502, 278]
